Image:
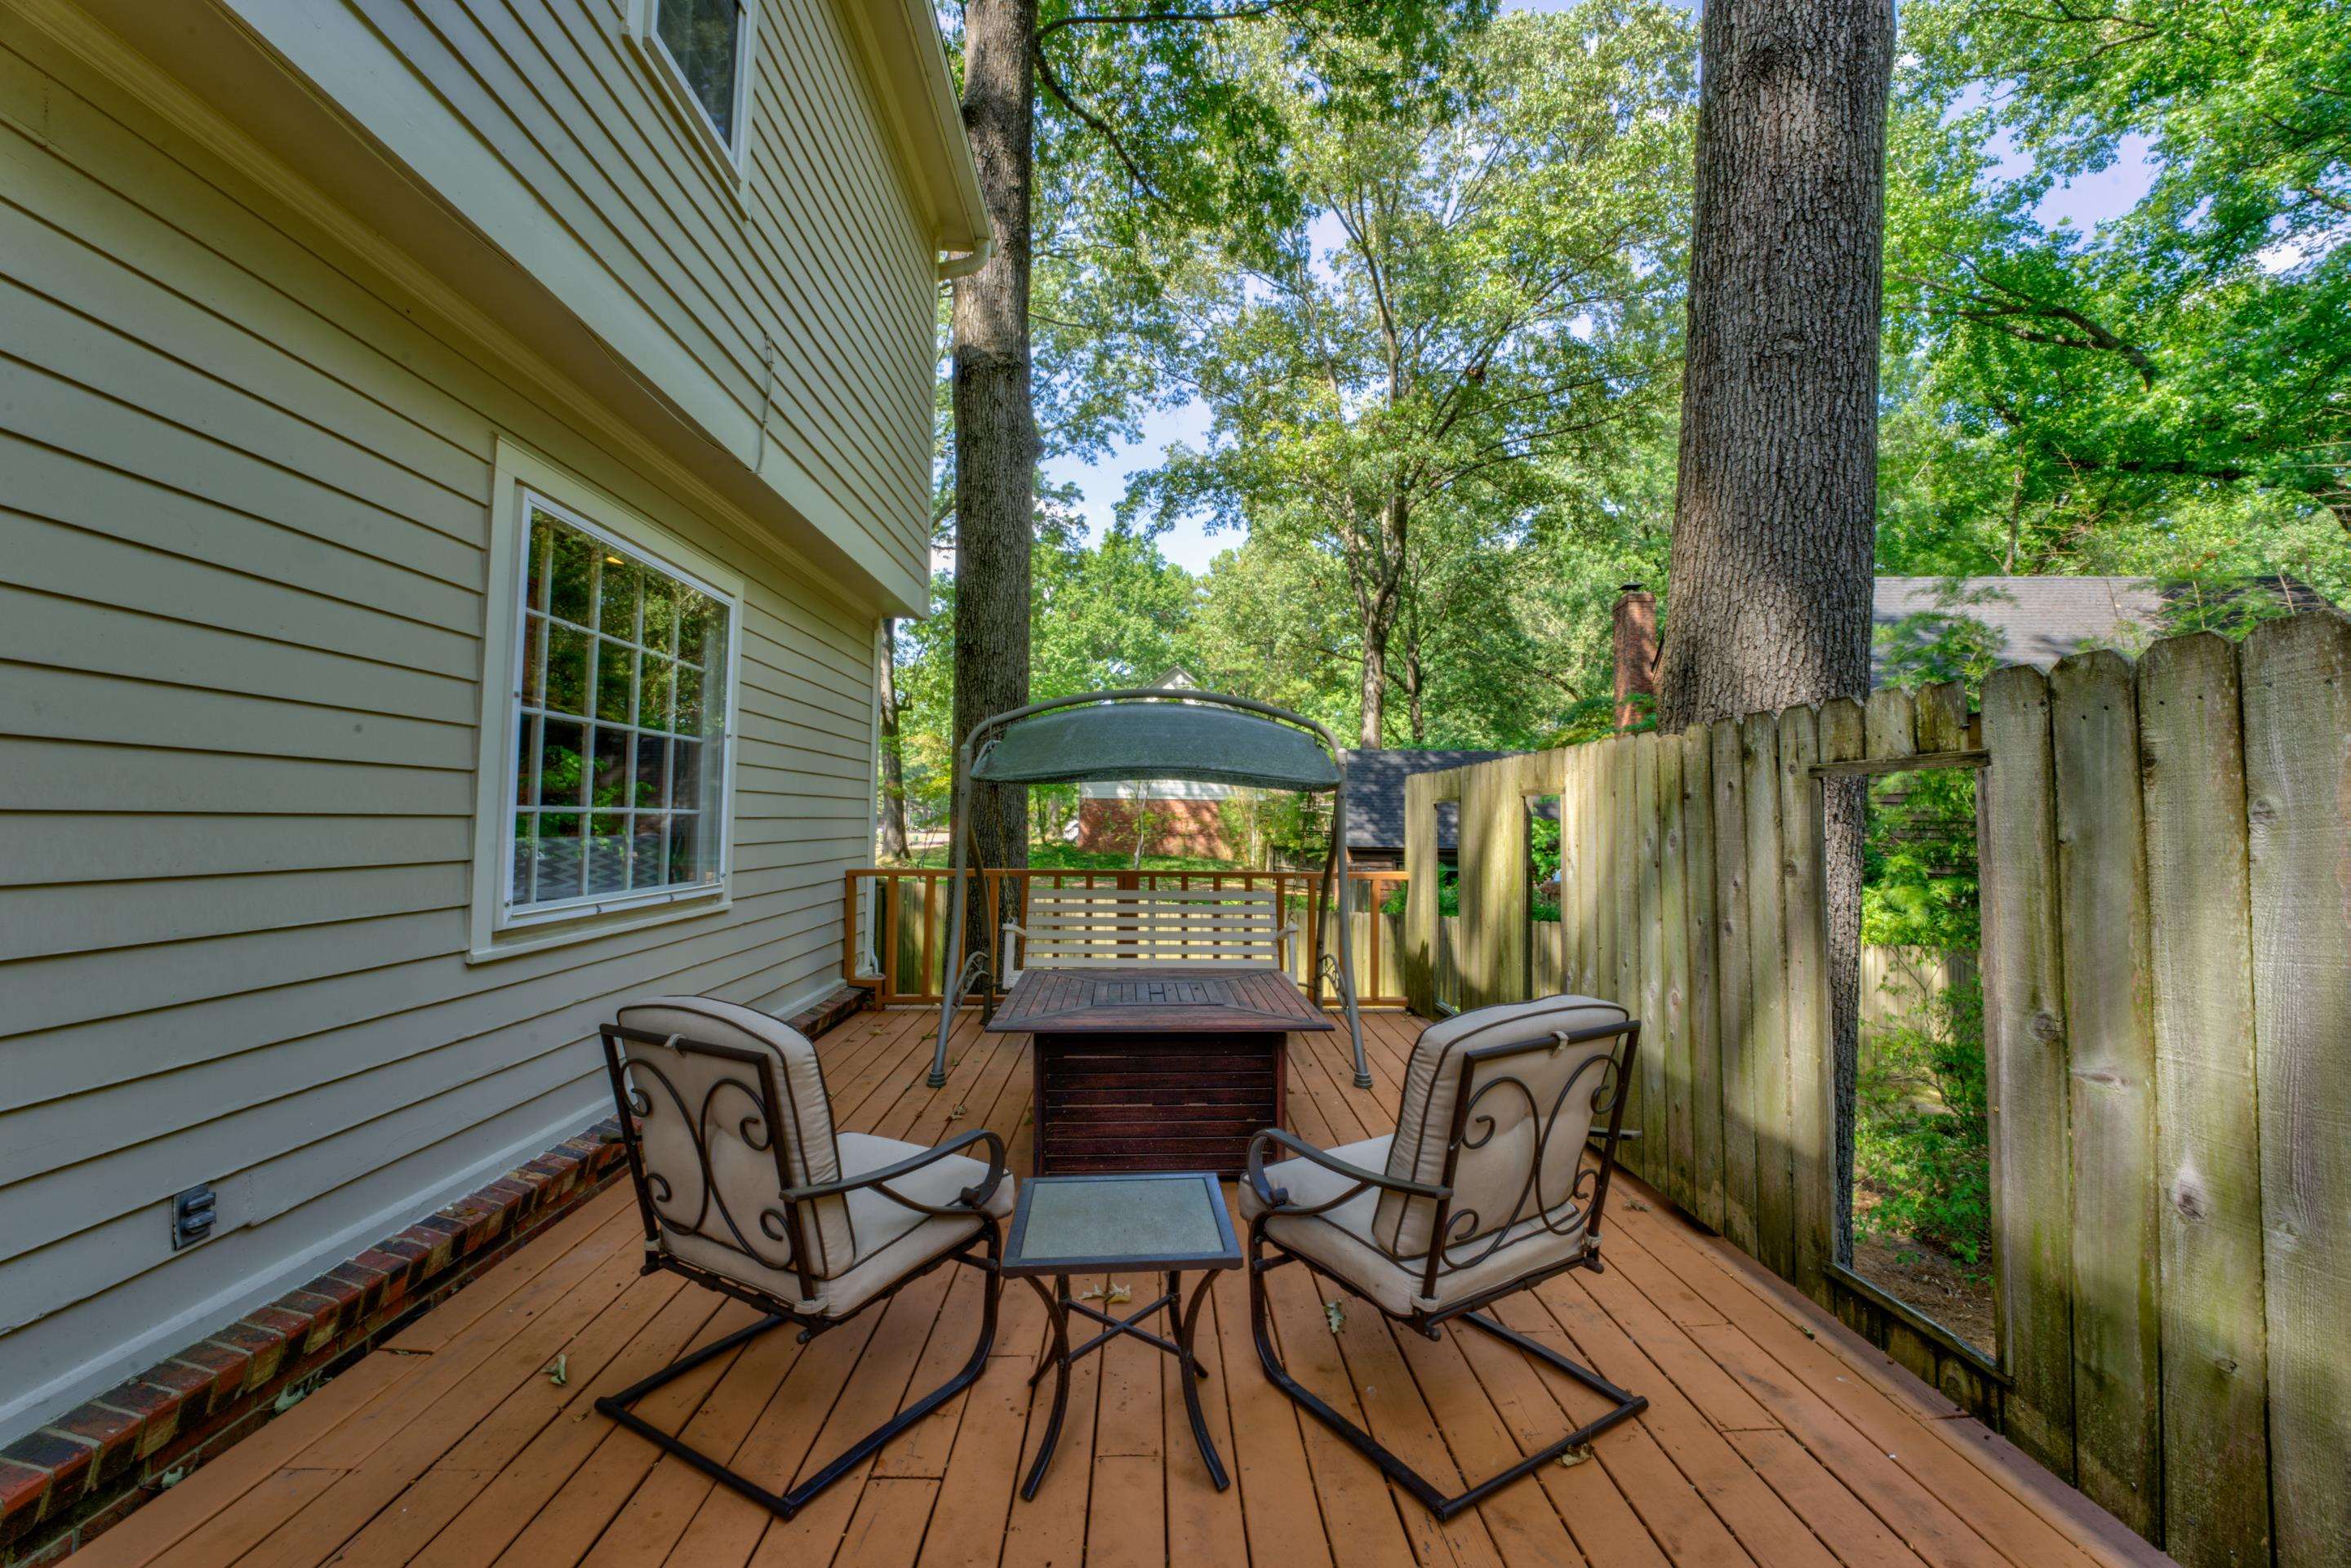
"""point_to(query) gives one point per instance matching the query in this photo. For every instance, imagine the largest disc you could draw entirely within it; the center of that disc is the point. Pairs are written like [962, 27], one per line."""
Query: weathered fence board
[2297, 706]
[2101, 920]
[1733, 984]
[1706, 1002]
[2025, 1063]
[1812, 1087]
[1649, 956]
[1767, 1004]
[1620, 917]
[1673, 936]
[2216, 1495]
[2165, 966]
[1941, 720]
[1845, 737]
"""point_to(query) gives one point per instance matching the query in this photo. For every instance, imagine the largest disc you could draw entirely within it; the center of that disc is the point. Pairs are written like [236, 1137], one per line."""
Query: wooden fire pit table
[1154, 1068]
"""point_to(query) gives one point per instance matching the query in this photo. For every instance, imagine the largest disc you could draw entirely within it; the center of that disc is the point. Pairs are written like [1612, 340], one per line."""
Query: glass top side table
[1128, 1222]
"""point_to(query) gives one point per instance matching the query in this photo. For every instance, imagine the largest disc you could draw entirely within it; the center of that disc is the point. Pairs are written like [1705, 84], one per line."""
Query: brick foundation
[65, 1484]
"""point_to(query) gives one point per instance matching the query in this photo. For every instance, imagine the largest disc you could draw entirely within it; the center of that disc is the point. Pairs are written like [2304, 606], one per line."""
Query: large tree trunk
[893, 762]
[994, 426]
[1379, 600]
[1373, 685]
[1775, 517]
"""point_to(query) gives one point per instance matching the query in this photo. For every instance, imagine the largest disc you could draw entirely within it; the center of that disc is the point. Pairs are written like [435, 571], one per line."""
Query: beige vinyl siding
[815, 257]
[244, 507]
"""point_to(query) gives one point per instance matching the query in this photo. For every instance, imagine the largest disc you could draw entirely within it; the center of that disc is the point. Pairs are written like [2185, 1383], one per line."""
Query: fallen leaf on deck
[1120, 1293]
[559, 1371]
[1574, 1457]
[1337, 1312]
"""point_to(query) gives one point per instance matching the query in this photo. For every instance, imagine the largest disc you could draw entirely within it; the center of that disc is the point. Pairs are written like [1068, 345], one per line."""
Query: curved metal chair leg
[1441, 1504]
[786, 1504]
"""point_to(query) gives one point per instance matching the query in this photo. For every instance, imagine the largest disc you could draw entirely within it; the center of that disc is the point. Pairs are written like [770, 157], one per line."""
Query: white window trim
[497, 932]
[729, 160]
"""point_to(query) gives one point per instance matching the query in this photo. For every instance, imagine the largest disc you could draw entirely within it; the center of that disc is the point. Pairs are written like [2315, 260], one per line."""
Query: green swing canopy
[1112, 740]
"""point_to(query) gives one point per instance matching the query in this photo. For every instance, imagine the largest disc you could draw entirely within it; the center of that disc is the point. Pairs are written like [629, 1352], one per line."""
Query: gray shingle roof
[2040, 620]
[1375, 794]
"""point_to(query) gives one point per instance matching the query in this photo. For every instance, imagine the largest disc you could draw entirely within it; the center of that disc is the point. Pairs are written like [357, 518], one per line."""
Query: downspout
[965, 263]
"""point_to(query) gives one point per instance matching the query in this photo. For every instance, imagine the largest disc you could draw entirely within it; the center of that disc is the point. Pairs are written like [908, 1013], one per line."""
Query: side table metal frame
[1183, 1317]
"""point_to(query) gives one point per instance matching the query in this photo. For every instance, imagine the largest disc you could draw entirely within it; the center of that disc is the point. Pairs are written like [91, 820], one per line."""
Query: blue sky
[2084, 204]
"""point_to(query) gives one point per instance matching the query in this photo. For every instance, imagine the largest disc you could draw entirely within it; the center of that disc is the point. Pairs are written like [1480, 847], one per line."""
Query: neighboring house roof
[2040, 620]
[1375, 794]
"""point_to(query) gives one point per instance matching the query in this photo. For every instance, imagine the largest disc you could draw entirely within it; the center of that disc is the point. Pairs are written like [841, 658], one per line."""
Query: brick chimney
[1636, 650]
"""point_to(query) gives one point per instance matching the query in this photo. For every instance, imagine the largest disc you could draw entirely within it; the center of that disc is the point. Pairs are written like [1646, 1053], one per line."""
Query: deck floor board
[1773, 1435]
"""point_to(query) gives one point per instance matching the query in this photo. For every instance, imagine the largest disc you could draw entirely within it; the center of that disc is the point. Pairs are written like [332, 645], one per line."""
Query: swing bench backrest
[1076, 927]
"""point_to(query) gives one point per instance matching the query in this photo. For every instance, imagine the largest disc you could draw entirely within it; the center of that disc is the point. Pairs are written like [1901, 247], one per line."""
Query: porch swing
[1149, 733]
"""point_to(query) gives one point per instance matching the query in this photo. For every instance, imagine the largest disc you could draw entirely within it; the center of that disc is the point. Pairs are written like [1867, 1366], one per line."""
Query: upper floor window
[703, 49]
[607, 705]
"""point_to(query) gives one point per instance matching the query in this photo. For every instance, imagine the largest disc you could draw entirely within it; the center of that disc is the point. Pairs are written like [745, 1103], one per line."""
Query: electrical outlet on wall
[192, 1214]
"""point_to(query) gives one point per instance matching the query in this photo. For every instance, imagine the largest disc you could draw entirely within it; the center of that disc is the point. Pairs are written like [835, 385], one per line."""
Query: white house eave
[916, 93]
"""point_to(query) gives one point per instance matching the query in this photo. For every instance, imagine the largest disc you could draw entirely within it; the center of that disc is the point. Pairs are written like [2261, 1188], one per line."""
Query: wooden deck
[1772, 1435]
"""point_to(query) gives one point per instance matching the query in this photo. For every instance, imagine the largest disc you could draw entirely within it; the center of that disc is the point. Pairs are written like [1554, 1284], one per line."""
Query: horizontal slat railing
[893, 940]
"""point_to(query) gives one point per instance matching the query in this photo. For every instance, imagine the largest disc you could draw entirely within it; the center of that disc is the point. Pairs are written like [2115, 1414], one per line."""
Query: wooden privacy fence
[894, 939]
[2166, 857]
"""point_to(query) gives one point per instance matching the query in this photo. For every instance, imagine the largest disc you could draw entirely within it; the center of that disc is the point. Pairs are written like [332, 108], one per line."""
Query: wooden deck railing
[894, 940]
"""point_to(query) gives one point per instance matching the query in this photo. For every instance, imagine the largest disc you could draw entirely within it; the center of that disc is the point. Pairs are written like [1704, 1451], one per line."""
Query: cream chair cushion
[892, 1240]
[678, 1090]
[1499, 1145]
[1341, 1241]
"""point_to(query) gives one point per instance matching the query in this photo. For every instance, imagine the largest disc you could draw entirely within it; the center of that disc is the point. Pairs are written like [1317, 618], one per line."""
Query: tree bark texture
[1775, 515]
[1768, 599]
[995, 425]
[893, 762]
[1378, 581]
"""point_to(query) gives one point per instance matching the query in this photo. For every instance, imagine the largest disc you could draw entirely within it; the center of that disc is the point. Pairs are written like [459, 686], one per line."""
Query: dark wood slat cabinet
[1154, 1069]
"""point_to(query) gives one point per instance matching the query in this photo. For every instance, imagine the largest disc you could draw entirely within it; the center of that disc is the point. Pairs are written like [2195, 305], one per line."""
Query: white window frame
[729, 155]
[521, 478]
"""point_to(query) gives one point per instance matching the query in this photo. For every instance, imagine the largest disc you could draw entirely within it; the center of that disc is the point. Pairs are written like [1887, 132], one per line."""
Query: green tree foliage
[1425, 274]
[1472, 302]
[1921, 1159]
[2170, 394]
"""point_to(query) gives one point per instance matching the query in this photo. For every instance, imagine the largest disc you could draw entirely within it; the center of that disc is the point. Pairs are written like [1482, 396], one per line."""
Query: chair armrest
[1279, 1198]
[966, 1201]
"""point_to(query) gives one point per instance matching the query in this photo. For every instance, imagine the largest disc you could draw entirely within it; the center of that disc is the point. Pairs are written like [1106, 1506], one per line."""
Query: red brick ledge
[63, 1485]
[830, 1010]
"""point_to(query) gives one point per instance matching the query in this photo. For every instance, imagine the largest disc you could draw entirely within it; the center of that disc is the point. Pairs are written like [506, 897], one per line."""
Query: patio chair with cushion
[745, 1187]
[1485, 1188]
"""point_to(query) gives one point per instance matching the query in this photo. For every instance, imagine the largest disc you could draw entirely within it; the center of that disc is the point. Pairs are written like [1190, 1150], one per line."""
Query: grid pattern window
[623, 701]
[705, 40]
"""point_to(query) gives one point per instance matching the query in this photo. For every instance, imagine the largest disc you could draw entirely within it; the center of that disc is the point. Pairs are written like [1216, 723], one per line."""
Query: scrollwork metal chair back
[1519, 1167]
[705, 1138]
